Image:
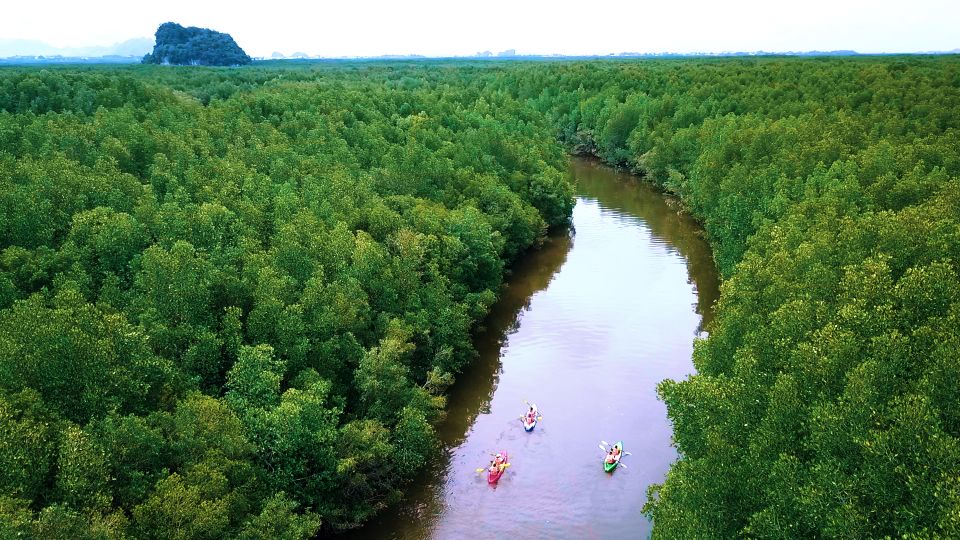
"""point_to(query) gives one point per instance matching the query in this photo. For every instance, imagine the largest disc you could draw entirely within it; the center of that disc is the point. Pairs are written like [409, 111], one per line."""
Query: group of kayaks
[500, 463]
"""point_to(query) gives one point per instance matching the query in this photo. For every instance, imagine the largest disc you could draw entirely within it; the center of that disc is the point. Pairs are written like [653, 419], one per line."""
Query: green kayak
[609, 467]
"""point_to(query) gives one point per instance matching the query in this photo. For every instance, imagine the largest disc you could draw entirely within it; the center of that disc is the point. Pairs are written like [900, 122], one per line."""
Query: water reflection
[622, 192]
[531, 275]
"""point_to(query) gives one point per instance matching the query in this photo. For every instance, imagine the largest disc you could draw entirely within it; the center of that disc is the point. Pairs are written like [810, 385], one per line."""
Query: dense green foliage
[192, 46]
[826, 402]
[239, 319]
[230, 300]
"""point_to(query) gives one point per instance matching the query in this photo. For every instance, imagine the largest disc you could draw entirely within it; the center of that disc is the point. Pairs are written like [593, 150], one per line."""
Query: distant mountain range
[136, 47]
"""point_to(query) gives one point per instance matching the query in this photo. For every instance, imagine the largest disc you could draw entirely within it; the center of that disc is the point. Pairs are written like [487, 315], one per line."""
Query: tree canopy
[231, 300]
[825, 401]
[238, 318]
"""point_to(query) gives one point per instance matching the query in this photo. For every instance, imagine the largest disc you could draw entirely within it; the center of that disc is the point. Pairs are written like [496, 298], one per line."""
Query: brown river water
[586, 328]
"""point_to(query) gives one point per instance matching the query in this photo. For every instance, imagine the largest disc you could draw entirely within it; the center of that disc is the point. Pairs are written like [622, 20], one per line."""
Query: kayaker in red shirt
[531, 416]
[611, 458]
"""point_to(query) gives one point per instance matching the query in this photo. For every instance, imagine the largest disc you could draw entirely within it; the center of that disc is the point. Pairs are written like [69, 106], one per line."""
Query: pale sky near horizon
[442, 28]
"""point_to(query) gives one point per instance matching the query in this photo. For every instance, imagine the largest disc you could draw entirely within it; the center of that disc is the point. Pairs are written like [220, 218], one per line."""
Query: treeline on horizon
[232, 299]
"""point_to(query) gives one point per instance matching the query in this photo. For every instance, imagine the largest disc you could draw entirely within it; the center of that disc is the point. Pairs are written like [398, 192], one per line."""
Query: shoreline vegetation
[231, 300]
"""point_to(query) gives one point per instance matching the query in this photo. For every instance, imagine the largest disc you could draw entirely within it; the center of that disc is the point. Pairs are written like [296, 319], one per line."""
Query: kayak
[609, 467]
[494, 476]
[530, 426]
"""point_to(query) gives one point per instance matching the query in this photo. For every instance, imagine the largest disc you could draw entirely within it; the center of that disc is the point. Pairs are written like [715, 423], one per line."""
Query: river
[586, 328]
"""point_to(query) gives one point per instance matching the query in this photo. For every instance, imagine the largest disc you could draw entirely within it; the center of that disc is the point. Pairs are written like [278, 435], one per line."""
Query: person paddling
[611, 458]
[531, 415]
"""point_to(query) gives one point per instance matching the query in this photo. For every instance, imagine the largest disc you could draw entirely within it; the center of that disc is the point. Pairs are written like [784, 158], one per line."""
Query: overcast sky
[451, 27]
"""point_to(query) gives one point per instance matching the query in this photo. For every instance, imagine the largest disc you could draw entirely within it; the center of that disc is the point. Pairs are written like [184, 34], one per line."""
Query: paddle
[524, 417]
[481, 469]
[527, 403]
[604, 443]
[504, 466]
[485, 468]
[620, 461]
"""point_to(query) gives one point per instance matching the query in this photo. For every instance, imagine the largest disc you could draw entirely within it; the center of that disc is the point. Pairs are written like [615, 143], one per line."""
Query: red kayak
[494, 476]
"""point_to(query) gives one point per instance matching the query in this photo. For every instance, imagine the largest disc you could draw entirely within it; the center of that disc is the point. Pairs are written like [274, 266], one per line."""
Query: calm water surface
[586, 329]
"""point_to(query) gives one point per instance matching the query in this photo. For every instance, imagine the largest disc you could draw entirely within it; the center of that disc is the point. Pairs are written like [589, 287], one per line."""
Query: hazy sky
[449, 27]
